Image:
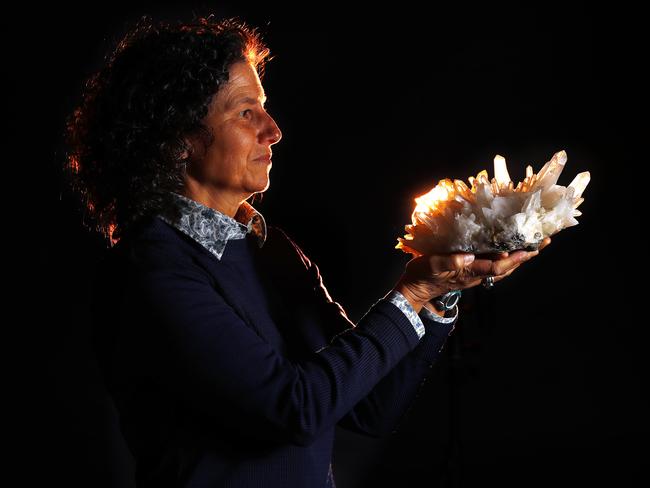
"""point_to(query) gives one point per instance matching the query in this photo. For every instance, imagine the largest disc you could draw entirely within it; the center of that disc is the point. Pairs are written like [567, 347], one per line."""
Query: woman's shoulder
[279, 238]
[157, 245]
[152, 243]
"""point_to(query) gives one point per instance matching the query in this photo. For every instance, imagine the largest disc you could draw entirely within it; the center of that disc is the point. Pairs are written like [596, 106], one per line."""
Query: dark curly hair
[125, 144]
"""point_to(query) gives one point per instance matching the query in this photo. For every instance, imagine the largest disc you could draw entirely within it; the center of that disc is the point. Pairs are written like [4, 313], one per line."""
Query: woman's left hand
[501, 265]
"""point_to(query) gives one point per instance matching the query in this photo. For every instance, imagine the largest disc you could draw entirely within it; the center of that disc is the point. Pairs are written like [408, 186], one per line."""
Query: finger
[475, 281]
[487, 267]
[484, 267]
[499, 276]
[507, 273]
[545, 242]
[492, 256]
[471, 284]
[502, 267]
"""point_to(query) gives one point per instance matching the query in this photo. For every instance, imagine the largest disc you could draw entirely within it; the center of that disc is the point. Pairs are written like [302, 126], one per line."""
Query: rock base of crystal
[494, 216]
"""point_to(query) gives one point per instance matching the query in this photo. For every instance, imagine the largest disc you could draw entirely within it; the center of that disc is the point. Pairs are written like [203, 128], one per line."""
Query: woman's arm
[380, 412]
[385, 408]
[205, 354]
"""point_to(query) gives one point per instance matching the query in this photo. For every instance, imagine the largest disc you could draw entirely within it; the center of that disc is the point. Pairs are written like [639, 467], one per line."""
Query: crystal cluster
[494, 216]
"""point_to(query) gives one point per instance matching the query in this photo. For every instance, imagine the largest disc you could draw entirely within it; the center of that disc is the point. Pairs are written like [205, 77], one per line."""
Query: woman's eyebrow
[248, 101]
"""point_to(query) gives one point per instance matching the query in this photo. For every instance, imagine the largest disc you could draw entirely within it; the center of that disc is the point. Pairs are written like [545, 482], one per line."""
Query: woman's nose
[273, 131]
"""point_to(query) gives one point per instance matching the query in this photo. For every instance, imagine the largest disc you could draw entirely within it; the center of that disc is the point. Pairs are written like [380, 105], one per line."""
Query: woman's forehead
[244, 86]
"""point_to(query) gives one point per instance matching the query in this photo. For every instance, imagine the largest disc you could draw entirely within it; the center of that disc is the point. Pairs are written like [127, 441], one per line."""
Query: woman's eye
[247, 110]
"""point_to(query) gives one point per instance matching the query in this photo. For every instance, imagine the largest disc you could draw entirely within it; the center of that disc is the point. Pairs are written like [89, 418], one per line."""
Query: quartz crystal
[494, 216]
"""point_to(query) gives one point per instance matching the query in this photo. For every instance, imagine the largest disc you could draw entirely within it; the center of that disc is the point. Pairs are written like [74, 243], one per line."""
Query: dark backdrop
[543, 379]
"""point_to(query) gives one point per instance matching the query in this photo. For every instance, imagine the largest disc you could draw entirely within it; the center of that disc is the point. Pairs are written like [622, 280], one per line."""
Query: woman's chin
[266, 178]
[260, 185]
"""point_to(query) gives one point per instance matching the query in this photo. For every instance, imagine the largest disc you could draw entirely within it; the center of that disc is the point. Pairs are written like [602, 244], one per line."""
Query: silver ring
[488, 283]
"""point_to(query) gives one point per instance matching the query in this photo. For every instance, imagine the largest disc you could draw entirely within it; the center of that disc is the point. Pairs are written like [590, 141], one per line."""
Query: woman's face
[243, 131]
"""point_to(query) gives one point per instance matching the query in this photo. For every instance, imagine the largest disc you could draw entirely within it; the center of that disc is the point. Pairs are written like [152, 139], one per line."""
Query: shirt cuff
[448, 318]
[405, 306]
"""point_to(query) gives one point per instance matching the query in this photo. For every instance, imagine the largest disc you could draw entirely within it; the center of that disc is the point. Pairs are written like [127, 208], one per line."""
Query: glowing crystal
[494, 216]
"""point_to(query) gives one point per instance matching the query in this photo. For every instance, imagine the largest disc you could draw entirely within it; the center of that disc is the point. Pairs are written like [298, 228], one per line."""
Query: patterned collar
[211, 228]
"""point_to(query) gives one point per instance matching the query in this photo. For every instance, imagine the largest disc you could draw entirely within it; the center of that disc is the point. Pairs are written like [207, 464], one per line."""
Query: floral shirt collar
[211, 228]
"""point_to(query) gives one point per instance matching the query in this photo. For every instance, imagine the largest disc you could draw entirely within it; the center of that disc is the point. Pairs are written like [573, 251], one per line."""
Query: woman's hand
[429, 276]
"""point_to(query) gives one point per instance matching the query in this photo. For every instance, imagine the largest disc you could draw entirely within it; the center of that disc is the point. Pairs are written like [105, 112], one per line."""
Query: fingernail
[468, 258]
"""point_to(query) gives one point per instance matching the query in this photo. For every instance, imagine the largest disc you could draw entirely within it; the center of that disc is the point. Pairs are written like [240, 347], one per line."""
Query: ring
[488, 282]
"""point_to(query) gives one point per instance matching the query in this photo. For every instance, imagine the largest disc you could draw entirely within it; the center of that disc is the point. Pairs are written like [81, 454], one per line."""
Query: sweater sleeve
[380, 412]
[386, 407]
[204, 353]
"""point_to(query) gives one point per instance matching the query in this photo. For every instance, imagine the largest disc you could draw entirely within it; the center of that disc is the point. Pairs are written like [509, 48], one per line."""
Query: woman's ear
[188, 151]
[195, 148]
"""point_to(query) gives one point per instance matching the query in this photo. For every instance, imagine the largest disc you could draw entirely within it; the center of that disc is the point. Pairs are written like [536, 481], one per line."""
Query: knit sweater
[234, 372]
[214, 229]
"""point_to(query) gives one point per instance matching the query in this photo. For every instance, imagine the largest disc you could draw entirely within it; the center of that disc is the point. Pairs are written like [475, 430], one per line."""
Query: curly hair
[125, 143]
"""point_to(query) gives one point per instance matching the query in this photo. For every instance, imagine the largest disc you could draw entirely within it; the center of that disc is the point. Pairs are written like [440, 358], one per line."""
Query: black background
[543, 380]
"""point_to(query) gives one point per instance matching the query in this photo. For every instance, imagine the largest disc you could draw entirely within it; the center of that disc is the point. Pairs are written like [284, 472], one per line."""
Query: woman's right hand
[429, 276]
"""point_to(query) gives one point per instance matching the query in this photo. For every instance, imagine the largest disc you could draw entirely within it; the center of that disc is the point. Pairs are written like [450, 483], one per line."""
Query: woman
[229, 363]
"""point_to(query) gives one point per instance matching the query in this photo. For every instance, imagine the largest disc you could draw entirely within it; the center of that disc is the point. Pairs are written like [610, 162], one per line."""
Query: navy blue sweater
[235, 372]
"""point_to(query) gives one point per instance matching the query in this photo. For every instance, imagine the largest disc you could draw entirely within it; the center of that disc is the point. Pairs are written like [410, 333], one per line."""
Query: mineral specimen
[494, 216]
